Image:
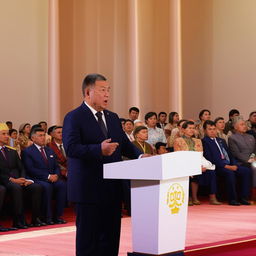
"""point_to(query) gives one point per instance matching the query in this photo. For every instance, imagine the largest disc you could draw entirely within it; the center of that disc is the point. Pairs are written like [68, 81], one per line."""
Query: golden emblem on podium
[175, 197]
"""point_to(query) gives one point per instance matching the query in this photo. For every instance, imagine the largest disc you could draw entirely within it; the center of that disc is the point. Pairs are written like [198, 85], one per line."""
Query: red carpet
[212, 230]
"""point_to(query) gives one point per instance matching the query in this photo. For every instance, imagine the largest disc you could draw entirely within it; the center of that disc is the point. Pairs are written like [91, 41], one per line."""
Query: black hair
[218, 119]
[171, 116]
[161, 113]
[128, 120]
[90, 80]
[253, 112]
[159, 144]
[181, 121]
[12, 131]
[50, 129]
[150, 114]
[42, 122]
[35, 130]
[8, 122]
[134, 109]
[208, 123]
[233, 112]
[202, 112]
[187, 123]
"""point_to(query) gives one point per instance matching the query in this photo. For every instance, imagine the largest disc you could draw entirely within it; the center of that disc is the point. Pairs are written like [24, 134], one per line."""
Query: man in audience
[9, 124]
[229, 124]
[128, 129]
[217, 152]
[133, 113]
[162, 116]
[161, 148]
[57, 146]
[43, 125]
[13, 178]
[220, 126]
[41, 165]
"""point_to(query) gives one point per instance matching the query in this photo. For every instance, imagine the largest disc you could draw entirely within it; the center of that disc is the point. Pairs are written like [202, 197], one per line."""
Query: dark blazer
[12, 168]
[35, 164]
[82, 139]
[212, 152]
[159, 125]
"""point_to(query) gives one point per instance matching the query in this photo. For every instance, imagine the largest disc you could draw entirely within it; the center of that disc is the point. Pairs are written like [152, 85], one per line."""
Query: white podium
[159, 199]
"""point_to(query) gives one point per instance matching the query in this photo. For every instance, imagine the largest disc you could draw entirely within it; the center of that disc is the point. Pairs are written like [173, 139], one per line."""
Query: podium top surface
[160, 167]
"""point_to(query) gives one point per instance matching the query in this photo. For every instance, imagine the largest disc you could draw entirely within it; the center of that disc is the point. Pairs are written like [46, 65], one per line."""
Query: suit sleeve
[32, 169]
[234, 148]
[72, 141]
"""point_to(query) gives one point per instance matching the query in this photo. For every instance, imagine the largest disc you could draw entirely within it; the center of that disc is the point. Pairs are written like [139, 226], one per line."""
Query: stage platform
[212, 230]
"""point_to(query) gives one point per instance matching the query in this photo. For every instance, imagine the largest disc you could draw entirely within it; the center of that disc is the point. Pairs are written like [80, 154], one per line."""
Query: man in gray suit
[243, 148]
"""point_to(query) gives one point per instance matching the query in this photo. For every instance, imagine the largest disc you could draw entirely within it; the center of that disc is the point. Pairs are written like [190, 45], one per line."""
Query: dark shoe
[37, 223]
[59, 221]
[2, 229]
[234, 203]
[244, 202]
[20, 226]
[12, 229]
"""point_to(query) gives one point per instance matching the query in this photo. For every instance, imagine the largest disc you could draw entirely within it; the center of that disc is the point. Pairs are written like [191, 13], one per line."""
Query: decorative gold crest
[175, 197]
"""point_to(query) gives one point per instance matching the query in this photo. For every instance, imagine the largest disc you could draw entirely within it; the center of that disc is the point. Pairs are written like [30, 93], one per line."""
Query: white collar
[92, 109]
[39, 147]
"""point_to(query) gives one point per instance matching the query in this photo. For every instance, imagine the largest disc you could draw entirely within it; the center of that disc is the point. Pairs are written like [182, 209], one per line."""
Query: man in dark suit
[13, 178]
[162, 116]
[41, 165]
[93, 136]
[217, 152]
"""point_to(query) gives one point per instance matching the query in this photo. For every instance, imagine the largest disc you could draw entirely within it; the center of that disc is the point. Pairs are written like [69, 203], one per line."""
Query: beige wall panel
[23, 62]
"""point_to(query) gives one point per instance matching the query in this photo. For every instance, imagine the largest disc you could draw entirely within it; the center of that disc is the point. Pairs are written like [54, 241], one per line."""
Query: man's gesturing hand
[108, 147]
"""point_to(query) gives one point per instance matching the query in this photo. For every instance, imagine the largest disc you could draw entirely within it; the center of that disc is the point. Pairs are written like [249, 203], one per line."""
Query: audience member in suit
[13, 178]
[220, 126]
[162, 116]
[155, 134]
[56, 145]
[128, 129]
[204, 115]
[93, 136]
[251, 123]
[134, 113]
[141, 135]
[41, 165]
[48, 138]
[208, 177]
[24, 134]
[2, 195]
[229, 124]
[173, 121]
[217, 152]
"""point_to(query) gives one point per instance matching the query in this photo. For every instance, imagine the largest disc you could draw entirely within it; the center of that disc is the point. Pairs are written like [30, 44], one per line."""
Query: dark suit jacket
[82, 139]
[212, 152]
[35, 165]
[12, 168]
[159, 126]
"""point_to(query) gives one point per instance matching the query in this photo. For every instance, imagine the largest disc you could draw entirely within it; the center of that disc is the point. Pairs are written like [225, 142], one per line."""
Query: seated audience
[138, 123]
[204, 115]
[155, 134]
[43, 125]
[133, 113]
[161, 148]
[220, 125]
[41, 165]
[56, 145]
[13, 140]
[24, 133]
[176, 133]
[229, 124]
[50, 130]
[162, 116]
[122, 120]
[173, 121]
[243, 148]
[128, 129]
[208, 178]
[2, 195]
[217, 152]
[141, 135]
[13, 178]
[251, 124]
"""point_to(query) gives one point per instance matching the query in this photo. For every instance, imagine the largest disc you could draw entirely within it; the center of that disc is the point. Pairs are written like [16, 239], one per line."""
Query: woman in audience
[173, 121]
[141, 135]
[204, 115]
[155, 134]
[176, 133]
[251, 124]
[13, 141]
[23, 139]
[220, 126]
[208, 178]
